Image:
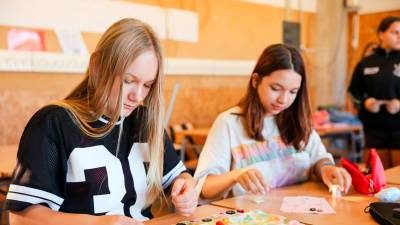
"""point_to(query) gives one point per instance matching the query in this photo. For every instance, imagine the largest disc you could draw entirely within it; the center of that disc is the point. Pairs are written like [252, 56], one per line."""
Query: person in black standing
[375, 89]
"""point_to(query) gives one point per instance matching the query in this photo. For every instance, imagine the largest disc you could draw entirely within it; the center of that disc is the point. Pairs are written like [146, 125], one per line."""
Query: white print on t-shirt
[82, 159]
[371, 70]
[396, 70]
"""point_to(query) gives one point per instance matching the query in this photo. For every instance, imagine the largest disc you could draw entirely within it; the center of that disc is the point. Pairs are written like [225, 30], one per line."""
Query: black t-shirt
[377, 76]
[68, 171]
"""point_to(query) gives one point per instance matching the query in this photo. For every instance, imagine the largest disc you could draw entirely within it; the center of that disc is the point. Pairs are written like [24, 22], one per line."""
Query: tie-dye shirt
[228, 147]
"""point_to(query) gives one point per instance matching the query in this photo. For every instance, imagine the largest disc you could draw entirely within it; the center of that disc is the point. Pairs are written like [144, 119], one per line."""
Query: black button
[230, 212]
[206, 220]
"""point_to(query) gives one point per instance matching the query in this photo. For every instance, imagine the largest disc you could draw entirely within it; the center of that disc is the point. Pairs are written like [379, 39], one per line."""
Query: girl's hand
[116, 220]
[252, 181]
[184, 196]
[336, 175]
[373, 105]
[393, 106]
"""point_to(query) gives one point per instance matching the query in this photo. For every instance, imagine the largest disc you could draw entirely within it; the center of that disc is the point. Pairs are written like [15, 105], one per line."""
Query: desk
[195, 133]
[349, 209]
[197, 138]
[326, 131]
[201, 212]
[392, 175]
[8, 159]
[339, 129]
[351, 133]
[329, 130]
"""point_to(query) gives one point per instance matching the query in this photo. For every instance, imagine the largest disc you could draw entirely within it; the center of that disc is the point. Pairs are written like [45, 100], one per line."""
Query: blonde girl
[101, 156]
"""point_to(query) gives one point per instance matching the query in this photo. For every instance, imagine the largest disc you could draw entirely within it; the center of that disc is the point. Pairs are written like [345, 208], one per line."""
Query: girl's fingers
[346, 178]
[262, 181]
[256, 182]
[244, 183]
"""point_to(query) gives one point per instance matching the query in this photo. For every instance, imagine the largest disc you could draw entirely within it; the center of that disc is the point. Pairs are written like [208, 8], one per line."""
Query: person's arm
[358, 93]
[214, 174]
[184, 196]
[215, 157]
[183, 193]
[333, 175]
[41, 215]
[324, 166]
[356, 87]
[215, 185]
[321, 163]
[249, 178]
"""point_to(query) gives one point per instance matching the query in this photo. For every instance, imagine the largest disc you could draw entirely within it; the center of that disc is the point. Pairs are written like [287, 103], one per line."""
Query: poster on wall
[26, 40]
[71, 41]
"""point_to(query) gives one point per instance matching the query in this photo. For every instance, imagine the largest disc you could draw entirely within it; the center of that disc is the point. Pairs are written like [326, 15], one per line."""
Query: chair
[8, 155]
[4, 184]
[189, 147]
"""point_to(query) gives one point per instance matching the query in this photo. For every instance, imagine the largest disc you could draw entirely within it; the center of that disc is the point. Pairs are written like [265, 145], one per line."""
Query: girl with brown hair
[101, 156]
[267, 140]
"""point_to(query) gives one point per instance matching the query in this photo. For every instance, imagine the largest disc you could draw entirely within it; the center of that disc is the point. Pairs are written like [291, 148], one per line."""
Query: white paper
[306, 204]
[71, 41]
[182, 25]
[83, 15]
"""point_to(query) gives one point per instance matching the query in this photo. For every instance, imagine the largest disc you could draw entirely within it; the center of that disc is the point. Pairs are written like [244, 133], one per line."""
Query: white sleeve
[215, 158]
[316, 149]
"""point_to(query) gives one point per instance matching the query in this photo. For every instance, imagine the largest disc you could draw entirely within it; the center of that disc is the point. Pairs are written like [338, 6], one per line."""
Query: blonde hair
[119, 46]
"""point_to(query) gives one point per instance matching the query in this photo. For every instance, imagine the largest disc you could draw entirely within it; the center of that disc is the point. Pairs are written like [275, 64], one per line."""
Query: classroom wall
[228, 30]
[329, 55]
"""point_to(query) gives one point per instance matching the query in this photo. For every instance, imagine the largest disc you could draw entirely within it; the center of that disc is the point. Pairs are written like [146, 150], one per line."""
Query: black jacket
[378, 76]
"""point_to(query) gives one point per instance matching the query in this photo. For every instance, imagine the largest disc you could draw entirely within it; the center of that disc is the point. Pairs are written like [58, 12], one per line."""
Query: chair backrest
[4, 214]
[180, 127]
[189, 150]
[187, 126]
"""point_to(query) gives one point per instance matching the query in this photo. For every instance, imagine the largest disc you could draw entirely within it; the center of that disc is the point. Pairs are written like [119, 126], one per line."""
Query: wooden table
[201, 212]
[393, 175]
[203, 132]
[198, 136]
[351, 133]
[331, 130]
[339, 129]
[349, 208]
[196, 133]
[8, 159]
[334, 129]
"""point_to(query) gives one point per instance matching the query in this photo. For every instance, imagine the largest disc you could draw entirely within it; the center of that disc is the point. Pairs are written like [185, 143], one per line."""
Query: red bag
[367, 184]
[320, 118]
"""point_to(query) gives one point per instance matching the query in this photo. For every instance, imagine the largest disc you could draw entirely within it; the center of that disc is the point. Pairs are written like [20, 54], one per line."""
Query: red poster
[26, 40]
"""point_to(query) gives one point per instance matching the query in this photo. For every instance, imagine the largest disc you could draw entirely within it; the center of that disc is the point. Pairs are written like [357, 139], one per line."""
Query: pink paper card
[306, 204]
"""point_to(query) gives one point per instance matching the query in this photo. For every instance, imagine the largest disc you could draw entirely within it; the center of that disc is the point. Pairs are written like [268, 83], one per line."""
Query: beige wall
[329, 55]
[228, 30]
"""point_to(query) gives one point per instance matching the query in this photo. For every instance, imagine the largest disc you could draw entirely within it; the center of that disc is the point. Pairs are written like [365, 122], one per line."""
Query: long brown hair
[294, 123]
[119, 46]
